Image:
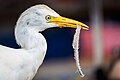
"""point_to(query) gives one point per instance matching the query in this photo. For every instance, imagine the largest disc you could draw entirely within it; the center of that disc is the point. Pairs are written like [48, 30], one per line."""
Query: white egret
[23, 63]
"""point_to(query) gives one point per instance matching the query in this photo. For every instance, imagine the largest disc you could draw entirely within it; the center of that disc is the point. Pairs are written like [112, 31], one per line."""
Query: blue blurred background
[99, 46]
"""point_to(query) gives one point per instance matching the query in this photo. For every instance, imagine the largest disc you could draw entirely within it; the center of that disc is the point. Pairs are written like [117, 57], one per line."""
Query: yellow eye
[48, 17]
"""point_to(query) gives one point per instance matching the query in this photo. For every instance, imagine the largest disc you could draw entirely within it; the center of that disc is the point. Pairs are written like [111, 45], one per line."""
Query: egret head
[41, 17]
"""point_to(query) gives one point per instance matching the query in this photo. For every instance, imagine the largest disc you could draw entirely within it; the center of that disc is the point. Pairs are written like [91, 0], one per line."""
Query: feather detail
[76, 48]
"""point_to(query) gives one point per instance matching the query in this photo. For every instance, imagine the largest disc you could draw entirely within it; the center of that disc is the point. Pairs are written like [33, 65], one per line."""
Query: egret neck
[32, 41]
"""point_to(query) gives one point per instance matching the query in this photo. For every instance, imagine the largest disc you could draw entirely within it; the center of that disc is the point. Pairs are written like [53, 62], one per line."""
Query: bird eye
[48, 17]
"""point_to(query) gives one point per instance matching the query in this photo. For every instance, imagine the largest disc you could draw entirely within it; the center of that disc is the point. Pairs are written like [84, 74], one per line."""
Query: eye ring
[48, 17]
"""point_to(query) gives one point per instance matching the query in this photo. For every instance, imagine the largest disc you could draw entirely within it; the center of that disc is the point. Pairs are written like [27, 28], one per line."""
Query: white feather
[22, 64]
[76, 50]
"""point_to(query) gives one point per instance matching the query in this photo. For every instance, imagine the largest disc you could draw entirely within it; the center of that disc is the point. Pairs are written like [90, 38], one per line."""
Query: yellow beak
[66, 22]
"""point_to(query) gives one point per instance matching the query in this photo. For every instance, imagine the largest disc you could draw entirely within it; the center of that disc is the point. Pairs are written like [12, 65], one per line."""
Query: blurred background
[99, 46]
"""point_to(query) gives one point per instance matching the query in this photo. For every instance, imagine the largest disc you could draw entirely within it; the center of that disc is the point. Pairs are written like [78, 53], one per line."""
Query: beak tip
[85, 27]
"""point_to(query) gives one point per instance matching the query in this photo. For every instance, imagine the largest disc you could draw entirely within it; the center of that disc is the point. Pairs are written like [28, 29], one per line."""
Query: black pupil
[48, 17]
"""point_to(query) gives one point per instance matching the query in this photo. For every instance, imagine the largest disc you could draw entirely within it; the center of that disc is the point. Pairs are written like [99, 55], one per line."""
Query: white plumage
[22, 64]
